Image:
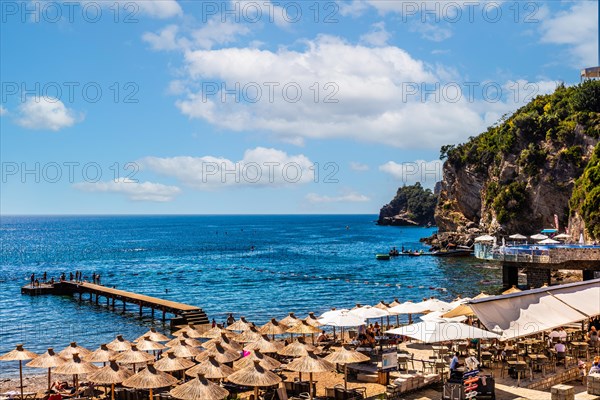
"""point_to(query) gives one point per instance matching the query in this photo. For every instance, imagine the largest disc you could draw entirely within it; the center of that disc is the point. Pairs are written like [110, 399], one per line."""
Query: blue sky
[123, 107]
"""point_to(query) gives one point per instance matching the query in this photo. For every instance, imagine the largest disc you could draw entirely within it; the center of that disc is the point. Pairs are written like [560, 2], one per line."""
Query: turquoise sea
[300, 263]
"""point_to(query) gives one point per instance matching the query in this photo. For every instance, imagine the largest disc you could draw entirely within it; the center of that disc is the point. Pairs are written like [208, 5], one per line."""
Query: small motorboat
[382, 256]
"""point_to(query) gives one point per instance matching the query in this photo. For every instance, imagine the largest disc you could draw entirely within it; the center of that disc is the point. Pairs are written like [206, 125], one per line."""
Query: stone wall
[538, 277]
[568, 375]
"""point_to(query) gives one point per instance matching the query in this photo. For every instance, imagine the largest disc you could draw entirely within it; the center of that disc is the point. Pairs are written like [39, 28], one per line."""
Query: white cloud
[315, 198]
[3, 111]
[46, 113]
[426, 172]
[356, 166]
[378, 36]
[166, 39]
[214, 32]
[158, 8]
[434, 31]
[576, 28]
[368, 100]
[144, 191]
[260, 167]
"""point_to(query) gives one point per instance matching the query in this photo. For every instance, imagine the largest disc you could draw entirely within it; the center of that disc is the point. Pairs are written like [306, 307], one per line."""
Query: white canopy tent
[538, 236]
[436, 331]
[518, 236]
[532, 311]
[548, 241]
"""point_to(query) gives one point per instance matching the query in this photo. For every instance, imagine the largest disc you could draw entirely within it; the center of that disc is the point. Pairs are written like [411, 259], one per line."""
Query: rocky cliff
[520, 173]
[412, 206]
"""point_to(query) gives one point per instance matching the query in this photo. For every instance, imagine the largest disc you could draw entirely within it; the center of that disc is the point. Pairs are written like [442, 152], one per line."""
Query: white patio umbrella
[538, 236]
[434, 332]
[548, 241]
[485, 238]
[517, 236]
[436, 316]
[409, 308]
[368, 312]
[333, 312]
[341, 320]
[431, 305]
[562, 236]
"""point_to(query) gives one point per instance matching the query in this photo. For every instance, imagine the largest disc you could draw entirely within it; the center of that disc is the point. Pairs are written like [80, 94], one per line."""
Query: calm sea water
[300, 263]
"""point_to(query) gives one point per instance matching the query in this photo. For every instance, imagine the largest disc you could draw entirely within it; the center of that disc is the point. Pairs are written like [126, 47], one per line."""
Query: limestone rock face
[518, 175]
[412, 206]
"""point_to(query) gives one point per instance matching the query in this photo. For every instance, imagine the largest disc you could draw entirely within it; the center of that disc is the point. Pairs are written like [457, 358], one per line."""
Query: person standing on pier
[94, 278]
[70, 276]
[44, 277]
[97, 279]
[32, 279]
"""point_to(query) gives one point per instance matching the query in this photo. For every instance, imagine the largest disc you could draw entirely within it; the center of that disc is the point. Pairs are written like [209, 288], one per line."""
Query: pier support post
[510, 275]
[107, 302]
[537, 277]
[164, 316]
[80, 297]
[123, 305]
[97, 295]
[113, 302]
[588, 274]
[153, 313]
[140, 310]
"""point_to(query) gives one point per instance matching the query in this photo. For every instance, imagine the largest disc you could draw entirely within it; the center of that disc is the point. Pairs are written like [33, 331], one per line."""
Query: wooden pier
[184, 313]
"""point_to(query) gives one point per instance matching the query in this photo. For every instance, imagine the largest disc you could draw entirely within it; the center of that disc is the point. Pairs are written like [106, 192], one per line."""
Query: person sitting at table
[562, 334]
[554, 334]
[454, 362]
[322, 337]
[377, 329]
[595, 366]
[593, 337]
[561, 351]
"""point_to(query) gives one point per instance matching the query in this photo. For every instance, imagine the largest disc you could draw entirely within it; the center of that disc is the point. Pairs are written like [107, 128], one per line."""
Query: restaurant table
[580, 346]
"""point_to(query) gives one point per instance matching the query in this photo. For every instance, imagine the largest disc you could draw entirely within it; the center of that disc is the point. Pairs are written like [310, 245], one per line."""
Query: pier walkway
[184, 313]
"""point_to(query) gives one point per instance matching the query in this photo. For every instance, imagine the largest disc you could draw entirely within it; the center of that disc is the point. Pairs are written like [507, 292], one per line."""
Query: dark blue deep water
[300, 263]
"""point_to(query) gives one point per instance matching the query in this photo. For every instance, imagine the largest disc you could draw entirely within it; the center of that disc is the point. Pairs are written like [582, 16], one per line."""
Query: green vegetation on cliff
[520, 172]
[553, 118]
[412, 205]
[586, 195]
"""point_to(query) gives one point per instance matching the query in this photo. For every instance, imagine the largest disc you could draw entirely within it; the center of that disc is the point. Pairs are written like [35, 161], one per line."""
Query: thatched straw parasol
[75, 366]
[170, 363]
[221, 354]
[211, 369]
[251, 335]
[19, 354]
[148, 345]
[297, 349]
[213, 333]
[110, 375]
[395, 303]
[150, 378]
[240, 325]
[154, 335]
[264, 345]
[346, 357]
[182, 350]
[199, 388]
[103, 354]
[304, 328]
[312, 320]
[186, 338]
[73, 348]
[134, 356]
[512, 290]
[273, 328]
[47, 360]
[290, 320]
[254, 376]
[119, 344]
[191, 331]
[312, 364]
[265, 361]
[225, 341]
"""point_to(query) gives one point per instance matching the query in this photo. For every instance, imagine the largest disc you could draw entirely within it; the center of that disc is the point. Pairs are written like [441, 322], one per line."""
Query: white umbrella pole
[21, 376]
[310, 393]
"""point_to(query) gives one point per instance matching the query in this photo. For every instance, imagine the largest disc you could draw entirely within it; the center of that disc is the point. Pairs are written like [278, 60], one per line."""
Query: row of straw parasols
[255, 370]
